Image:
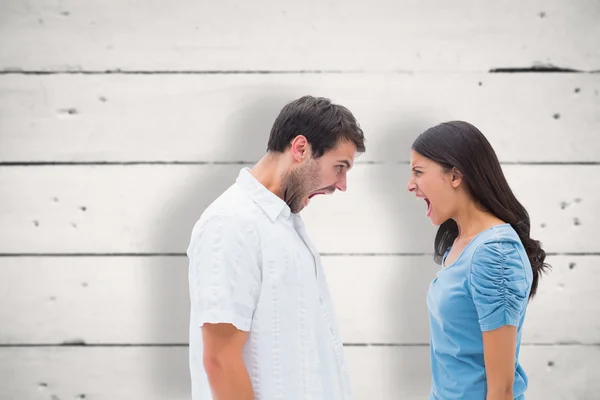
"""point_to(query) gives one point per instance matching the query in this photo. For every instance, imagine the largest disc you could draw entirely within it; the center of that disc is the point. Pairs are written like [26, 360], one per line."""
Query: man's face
[319, 176]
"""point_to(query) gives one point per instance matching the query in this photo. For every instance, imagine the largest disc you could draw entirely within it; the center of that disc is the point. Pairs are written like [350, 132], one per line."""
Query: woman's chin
[435, 221]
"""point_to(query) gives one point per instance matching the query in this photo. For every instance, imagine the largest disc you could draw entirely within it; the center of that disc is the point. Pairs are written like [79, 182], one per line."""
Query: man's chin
[297, 207]
[305, 201]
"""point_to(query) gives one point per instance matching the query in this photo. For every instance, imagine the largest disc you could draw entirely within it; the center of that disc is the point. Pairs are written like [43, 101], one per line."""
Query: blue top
[485, 288]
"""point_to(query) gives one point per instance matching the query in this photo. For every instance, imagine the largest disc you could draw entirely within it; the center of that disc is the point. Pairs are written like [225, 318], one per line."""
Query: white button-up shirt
[252, 264]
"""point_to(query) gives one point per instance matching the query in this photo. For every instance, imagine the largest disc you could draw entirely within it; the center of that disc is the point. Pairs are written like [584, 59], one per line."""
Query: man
[262, 324]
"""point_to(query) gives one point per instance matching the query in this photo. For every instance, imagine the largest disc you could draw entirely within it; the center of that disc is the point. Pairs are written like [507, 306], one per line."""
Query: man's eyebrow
[345, 162]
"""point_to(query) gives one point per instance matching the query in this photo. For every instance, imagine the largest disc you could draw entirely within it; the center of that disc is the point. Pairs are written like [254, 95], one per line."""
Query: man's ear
[301, 149]
[456, 177]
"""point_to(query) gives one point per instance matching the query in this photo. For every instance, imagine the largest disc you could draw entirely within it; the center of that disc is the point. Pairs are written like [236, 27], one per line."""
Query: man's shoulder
[233, 204]
[232, 208]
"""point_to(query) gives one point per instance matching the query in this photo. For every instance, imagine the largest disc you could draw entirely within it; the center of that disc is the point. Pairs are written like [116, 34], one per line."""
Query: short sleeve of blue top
[486, 288]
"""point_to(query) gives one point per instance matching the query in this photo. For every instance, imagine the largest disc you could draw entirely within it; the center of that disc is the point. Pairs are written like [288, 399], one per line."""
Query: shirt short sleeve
[498, 284]
[224, 272]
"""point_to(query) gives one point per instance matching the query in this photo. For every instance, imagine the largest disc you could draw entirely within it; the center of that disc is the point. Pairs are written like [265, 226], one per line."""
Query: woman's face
[429, 181]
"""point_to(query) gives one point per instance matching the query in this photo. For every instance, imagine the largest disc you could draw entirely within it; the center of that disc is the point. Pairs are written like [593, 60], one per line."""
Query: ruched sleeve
[498, 283]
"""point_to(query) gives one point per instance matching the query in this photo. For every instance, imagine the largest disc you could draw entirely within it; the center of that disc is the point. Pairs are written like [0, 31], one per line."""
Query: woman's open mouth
[428, 206]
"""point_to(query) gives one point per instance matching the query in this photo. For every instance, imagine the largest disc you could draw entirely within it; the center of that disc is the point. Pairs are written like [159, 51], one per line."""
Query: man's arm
[225, 283]
[223, 363]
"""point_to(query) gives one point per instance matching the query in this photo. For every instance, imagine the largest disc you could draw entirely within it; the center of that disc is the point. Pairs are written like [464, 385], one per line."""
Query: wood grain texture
[151, 209]
[464, 35]
[153, 373]
[221, 118]
[144, 300]
[201, 82]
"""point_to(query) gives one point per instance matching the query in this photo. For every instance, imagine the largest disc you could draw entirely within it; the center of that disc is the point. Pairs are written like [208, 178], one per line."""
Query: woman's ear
[456, 177]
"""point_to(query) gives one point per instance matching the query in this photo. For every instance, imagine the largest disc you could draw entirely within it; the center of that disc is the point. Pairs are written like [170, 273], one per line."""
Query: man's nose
[341, 184]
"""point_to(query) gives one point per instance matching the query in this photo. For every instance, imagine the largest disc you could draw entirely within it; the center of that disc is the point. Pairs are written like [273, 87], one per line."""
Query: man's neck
[269, 171]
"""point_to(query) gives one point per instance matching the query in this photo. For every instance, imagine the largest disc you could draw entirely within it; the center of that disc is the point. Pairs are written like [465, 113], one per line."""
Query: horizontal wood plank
[152, 209]
[223, 118]
[385, 35]
[153, 373]
[144, 300]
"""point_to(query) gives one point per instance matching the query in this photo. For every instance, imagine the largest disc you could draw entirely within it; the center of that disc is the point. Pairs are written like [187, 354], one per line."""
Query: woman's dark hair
[460, 145]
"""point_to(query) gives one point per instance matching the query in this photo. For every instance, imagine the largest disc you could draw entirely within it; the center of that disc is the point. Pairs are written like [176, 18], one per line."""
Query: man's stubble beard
[298, 183]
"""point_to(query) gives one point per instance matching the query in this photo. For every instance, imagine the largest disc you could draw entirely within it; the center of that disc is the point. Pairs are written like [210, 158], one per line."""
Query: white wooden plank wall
[121, 120]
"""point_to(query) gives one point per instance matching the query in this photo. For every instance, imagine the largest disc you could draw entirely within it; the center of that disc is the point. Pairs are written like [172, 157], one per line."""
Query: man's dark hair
[323, 124]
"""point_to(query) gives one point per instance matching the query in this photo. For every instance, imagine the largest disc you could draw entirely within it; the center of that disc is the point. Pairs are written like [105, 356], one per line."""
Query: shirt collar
[269, 202]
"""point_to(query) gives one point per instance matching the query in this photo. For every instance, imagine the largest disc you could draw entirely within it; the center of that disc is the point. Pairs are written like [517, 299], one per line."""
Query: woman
[489, 265]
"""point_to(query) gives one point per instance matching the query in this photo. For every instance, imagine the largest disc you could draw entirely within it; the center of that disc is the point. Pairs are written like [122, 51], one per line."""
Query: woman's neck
[472, 220]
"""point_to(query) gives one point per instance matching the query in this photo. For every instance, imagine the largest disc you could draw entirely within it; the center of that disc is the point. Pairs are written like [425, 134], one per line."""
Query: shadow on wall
[405, 292]
[247, 128]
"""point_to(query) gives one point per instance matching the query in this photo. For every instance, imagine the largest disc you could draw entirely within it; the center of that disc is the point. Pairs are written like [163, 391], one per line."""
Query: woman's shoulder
[500, 253]
[499, 238]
